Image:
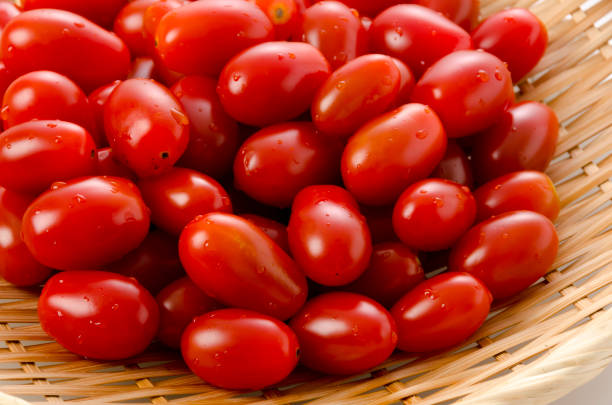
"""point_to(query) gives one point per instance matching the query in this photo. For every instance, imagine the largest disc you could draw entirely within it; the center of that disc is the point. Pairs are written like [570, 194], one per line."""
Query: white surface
[597, 392]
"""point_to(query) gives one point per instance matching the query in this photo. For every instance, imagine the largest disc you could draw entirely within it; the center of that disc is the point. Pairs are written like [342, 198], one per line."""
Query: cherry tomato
[240, 349]
[97, 314]
[129, 26]
[102, 12]
[201, 37]
[226, 256]
[45, 95]
[507, 31]
[65, 43]
[142, 68]
[179, 303]
[179, 195]
[470, 90]
[524, 139]
[155, 12]
[508, 253]
[359, 91]
[36, 153]
[417, 36]
[462, 12]
[85, 223]
[273, 165]
[407, 83]
[336, 31]
[146, 126]
[433, 214]
[107, 165]
[272, 82]
[344, 333]
[275, 230]
[285, 15]
[380, 223]
[97, 101]
[455, 166]
[7, 11]
[328, 236]
[394, 270]
[213, 135]
[391, 152]
[17, 266]
[441, 312]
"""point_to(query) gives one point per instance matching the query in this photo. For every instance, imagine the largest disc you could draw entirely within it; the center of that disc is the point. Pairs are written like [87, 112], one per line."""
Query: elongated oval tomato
[508, 253]
[97, 100]
[391, 152]
[201, 37]
[146, 126]
[275, 230]
[455, 166]
[36, 153]
[272, 82]
[441, 312]
[129, 26]
[226, 256]
[65, 43]
[462, 12]
[85, 223]
[102, 12]
[97, 314]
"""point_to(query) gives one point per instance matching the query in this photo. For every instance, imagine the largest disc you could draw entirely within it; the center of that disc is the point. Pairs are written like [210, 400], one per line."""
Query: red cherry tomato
[17, 266]
[433, 213]
[85, 223]
[394, 270]
[441, 312]
[201, 37]
[155, 12]
[179, 303]
[503, 33]
[107, 165]
[272, 82]
[273, 165]
[240, 349]
[462, 12]
[455, 166]
[417, 36]
[7, 11]
[213, 135]
[344, 333]
[407, 83]
[380, 222]
[142, 68]
[359, 91]
[129, 26]
[470, 90]
[98, 315]
[524, 139]
[65, 43]
[285, 15]
[226, 256]
[391, 152]
[146, 126]
[328, 236]
[36, 153]
[97, 101]
[508, 253]
[102, 12]
[179, 195]
[275, 230]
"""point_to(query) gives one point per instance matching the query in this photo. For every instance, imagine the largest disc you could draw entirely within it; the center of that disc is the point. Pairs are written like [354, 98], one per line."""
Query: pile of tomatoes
[266, 182]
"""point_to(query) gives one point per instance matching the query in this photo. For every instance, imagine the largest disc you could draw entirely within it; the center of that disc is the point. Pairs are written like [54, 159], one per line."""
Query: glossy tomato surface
[508, 252]
[344, 333]
[240, 349]
[455, 166]
[98, 315]
[368, 7]
[85, 223]
[285, 15]
[97, 99]
[462, 12]
[274, 229]
[441, 312]
[155, 12]
[226, 256]
[108, 165]
[391, 152]
[102, 12]
[129, 26]
[272, 82]
[8, 10]
[407, 82]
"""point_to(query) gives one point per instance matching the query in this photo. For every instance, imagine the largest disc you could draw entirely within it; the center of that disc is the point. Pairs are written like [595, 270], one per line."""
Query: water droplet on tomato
[179, 116]
[438, 202]
[79, 24]
[60, 314]
[80, 198]
[421, 134]
[58, 139]
[497, 187]
[483, 76]
[4, 113]
[341, 84]
[498, 75]
[292, 55]
[51, 125]
[115, 307]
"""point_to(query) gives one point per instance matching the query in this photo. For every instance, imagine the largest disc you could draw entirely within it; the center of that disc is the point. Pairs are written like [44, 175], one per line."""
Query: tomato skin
[433, 214]
[275, 230]
[462, 12]
[155, 12]
[328, 236]
[417, 36]
[129, 26]
[380, 223]
[226, 255]
[285, 15]
[179, 303]
[391, 152]
[213, 135]
[508, 30]
[524, 139]
[85, 223]
[142, 68]
[65, 43]
[97, 101]
[7, 11]
[441, 312]
[272, 82]
[359, 91]
[201, 37]
[146, 126]
[97, 314]
[368, 7]
[107, 165]
[6, 76]
[101, 12]
[179, 195]
[252, 351]
[30, 152]
[407, 83]
[508, 253]
[277, 162]
[455, 166]
[344, 333]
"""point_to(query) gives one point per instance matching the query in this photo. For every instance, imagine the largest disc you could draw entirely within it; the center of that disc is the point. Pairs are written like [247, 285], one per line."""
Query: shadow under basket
[534, 349]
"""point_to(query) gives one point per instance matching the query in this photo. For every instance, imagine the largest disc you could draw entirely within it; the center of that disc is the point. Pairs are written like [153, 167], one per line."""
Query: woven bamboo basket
[534, 349]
